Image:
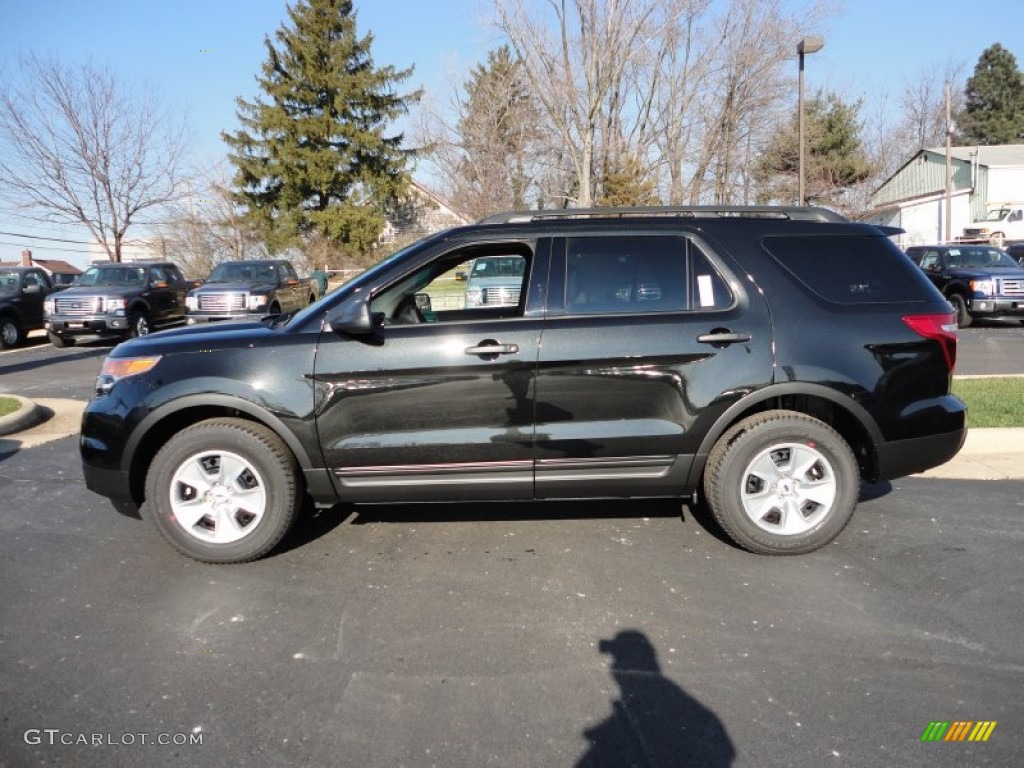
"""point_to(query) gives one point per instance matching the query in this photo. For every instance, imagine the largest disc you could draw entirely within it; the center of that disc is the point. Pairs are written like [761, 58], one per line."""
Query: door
[647, 342]
[34, 287]
[437, 402]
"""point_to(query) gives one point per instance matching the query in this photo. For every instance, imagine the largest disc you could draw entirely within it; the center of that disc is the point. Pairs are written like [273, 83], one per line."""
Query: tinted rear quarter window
[850, 269]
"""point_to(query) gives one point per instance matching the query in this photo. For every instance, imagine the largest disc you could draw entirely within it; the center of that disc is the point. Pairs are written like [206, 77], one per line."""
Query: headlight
[192, 302]
[255, 302]
[114, 303]
[116, 368]
[48, 306]
[474, 297]
[986, 287]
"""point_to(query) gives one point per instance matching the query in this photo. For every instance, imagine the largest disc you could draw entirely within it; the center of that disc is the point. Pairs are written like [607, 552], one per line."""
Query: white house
[914, 198]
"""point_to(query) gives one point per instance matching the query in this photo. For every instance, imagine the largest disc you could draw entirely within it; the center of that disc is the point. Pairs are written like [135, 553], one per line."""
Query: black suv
[117, 299]
[770, 358]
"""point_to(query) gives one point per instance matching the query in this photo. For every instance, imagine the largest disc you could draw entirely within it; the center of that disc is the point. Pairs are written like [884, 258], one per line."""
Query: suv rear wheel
[223, 490]
[782, 482]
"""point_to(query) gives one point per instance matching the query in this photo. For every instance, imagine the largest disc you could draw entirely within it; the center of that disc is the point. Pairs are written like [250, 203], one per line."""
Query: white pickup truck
[1004, 222]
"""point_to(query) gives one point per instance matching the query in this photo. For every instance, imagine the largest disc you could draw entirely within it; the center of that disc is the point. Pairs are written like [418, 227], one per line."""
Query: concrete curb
[27, 416]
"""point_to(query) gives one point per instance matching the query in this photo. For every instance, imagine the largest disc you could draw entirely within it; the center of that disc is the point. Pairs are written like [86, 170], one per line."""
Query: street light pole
[811, 44]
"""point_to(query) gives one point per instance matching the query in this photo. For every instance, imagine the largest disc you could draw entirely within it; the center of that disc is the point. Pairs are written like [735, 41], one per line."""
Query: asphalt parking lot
[600, 634]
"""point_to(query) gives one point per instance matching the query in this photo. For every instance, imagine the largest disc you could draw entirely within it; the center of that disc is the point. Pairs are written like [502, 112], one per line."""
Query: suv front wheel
[781, 482]
[223, 491]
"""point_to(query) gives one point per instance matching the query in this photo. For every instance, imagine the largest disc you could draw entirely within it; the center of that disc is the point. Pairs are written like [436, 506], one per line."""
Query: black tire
[755, 495]
[138, 325]
[60, 341]
[11, 332]
[963, 317]
[230, 520]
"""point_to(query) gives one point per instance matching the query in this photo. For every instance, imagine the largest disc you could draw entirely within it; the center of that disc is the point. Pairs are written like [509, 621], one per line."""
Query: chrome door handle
[723, 338]
[493, 349]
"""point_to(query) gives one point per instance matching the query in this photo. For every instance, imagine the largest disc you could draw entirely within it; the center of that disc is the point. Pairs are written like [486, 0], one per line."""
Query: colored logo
[958, 730]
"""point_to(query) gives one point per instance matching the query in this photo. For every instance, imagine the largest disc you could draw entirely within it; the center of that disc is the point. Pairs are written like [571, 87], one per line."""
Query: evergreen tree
[834, 156]
[313, 160]
[994, 112]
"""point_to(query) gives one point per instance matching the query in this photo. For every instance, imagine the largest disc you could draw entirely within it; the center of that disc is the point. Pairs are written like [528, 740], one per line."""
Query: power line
[40, 237]
[48, 247]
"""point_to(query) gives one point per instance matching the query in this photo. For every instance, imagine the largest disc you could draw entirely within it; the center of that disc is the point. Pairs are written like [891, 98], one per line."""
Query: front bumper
[104, 325]
[195, 318]
[1014, 307]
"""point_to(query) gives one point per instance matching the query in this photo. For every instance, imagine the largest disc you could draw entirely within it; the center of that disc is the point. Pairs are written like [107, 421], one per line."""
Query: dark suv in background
[767, 358]
[119, 299]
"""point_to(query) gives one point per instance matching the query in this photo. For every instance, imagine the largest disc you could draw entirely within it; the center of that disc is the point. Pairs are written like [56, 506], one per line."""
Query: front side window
[631, 274]
[467, 284]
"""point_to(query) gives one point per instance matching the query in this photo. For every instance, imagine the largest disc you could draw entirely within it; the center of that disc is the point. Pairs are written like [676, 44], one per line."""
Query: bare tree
[924, 106]
[80, 147]
[576, 57]
[207, 226]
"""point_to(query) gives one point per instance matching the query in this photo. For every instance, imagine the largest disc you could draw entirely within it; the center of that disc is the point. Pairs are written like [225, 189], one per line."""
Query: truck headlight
[984, 287]
[255, 302]
[49, 305]
[191, 303]
[114, 304]
[474, 297]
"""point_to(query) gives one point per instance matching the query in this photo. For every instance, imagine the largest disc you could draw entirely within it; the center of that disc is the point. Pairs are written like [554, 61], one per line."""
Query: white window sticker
[705, 290]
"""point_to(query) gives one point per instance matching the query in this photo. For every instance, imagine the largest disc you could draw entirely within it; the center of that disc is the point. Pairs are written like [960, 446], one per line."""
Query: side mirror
[32, 289]
[353, 318]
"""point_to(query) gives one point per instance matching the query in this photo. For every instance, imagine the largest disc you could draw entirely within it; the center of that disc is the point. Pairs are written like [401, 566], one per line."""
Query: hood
[103, 290]
[984, 273]
[195, 338]
[209, 288]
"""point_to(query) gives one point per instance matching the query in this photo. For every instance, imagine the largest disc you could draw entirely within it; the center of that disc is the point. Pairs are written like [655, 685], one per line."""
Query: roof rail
[802, 213]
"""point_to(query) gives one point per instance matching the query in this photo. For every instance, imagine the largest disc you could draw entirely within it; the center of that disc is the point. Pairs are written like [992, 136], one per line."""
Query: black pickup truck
[22, 292]
[237, 290]
[980, 281]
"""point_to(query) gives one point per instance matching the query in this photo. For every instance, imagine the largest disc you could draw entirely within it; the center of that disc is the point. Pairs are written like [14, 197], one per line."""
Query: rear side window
[850, 269]
[630, 274]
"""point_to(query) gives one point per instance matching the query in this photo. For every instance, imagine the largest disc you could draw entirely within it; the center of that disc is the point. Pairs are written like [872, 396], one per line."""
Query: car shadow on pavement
[591, 509]
[653, 721]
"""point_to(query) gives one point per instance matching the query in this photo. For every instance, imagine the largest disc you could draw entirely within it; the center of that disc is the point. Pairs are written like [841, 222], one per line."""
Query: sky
[200, 55]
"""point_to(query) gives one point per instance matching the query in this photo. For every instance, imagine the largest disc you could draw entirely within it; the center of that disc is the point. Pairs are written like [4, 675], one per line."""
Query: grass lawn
[997, 402]
[8, 405]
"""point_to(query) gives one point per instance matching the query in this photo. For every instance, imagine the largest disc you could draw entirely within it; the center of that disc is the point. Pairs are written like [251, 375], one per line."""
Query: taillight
[942, 328]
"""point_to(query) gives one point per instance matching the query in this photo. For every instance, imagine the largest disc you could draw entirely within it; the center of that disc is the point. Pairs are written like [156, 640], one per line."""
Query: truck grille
[1011, 287]
[78, 306]
[221, 302]
[501, 296]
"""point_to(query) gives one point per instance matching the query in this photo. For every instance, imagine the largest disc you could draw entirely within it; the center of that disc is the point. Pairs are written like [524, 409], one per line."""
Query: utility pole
[949, 163]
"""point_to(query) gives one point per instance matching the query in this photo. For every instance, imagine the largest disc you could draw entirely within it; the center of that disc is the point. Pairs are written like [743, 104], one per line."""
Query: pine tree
[834, 156]
[994, 112]
[313, 159]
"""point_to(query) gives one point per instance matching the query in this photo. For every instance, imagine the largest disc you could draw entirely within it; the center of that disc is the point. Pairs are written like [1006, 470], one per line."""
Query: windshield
[9, 281]
[240, 272]
[112, 276]
[369, 277]
[986, 258]
[997, 214]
